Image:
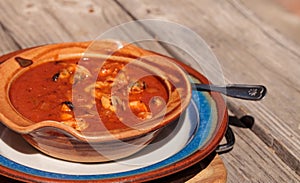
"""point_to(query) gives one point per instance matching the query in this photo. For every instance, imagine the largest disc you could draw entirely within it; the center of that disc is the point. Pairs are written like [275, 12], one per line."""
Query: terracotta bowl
[63, 141]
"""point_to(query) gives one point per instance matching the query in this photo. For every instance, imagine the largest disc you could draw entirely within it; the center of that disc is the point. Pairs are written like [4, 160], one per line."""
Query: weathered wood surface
[250, 50]
[253, 45]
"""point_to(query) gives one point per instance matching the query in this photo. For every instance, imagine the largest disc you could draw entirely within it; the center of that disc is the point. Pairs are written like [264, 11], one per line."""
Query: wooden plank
[285, 11]
[214, 172]
[252, 161]
[236, 35]
[31, 22]
[8, 44]
[250, 51]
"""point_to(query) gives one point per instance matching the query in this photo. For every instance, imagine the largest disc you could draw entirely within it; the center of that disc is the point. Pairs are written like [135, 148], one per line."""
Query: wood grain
[215, 172]
[250, 51]
[282, 16]
[36, 23]
[253, 45]
[253, 161]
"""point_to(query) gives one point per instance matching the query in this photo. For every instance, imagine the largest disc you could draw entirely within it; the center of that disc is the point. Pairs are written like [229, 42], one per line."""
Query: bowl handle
[230, 140]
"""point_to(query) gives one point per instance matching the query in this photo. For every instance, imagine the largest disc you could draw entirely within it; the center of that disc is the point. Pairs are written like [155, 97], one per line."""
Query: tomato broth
[89, 95]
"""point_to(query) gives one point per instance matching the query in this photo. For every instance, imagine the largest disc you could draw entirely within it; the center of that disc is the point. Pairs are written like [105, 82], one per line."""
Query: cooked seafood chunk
[78, 124]
[107, 103]
[138, 87]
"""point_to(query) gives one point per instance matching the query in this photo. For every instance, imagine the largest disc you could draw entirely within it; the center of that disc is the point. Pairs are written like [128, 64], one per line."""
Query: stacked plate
[180, 145]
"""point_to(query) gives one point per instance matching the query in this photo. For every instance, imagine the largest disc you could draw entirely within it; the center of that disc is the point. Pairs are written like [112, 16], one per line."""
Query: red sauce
[94, 97]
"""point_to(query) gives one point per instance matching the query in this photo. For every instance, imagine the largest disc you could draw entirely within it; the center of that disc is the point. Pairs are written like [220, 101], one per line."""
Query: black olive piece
[55, 77]
[69, 104]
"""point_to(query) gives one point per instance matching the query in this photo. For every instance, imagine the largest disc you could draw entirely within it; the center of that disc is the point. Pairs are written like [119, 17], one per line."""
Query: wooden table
[256, 42]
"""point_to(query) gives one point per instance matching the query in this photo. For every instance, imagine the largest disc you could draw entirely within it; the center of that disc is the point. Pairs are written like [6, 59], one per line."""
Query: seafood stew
[93, 94]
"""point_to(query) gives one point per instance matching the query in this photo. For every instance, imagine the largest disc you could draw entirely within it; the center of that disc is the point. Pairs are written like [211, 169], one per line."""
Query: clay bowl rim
[29, 127]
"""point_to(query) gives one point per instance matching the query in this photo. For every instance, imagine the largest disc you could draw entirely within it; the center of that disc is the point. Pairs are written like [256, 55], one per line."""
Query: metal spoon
[241, 91]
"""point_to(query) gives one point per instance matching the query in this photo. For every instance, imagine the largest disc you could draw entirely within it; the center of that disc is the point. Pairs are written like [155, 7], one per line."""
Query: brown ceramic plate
[188, 141]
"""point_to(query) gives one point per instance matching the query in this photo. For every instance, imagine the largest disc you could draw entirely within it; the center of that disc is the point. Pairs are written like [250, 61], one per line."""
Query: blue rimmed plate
[182, 144]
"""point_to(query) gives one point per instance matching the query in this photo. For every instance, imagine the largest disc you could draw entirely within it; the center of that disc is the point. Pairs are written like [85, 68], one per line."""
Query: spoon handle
[241, 91]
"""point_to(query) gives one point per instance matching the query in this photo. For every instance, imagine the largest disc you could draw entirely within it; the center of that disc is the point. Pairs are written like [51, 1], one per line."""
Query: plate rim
[160, 172]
